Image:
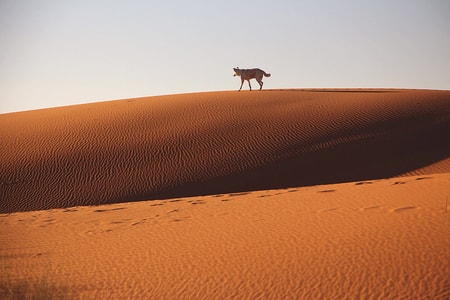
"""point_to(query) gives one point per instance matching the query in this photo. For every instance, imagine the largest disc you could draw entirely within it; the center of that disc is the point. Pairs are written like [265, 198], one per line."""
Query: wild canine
[247, 74]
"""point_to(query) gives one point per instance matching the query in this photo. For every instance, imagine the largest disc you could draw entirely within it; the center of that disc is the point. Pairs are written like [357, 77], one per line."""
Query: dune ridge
[210, 143]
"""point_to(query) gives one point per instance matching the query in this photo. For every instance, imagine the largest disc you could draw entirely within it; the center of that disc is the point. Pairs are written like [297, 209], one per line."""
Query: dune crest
[218, 142]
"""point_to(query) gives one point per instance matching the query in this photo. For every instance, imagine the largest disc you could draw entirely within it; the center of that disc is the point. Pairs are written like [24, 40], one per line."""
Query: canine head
[237, 72]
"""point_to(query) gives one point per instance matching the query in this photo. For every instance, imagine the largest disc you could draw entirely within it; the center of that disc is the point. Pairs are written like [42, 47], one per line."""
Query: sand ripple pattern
[381, 239]
[210, 143]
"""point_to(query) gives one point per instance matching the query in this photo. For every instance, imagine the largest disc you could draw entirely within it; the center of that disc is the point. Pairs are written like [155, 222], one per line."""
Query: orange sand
[262, 223]
[210, 143]
[386, 239]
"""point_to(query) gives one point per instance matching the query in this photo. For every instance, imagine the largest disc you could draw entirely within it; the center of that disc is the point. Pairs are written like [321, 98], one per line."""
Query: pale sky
[64, 52]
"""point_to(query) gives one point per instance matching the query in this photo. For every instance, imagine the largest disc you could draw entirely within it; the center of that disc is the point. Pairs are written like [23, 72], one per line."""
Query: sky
[65, 52]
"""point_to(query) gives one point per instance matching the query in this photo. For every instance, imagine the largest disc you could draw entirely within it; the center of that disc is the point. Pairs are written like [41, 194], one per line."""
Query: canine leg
[260, 84]
[249, 85]
[242, 82]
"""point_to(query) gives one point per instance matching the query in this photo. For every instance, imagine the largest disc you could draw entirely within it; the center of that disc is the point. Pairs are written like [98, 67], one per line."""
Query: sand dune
[218, 142]
[383, 239]
[295, 194]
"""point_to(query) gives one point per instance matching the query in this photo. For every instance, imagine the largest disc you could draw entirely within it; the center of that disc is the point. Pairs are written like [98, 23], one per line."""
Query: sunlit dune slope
[217, 142]
[377, 239]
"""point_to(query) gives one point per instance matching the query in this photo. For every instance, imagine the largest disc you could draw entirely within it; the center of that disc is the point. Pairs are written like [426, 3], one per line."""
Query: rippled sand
[209, 143]
[289, 194]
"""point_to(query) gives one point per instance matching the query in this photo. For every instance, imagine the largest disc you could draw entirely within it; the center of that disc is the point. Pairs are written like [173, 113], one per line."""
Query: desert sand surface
[381, 239]
[278, 194]
[217, 142]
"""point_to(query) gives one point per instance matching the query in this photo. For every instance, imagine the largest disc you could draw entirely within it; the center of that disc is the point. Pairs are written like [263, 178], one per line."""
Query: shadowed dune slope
[217, 142]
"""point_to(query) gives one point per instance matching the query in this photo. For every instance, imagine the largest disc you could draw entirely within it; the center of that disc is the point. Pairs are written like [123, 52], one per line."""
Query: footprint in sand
[238, 194]
[196, 202]
[105, 210]
[91, 232]
[363, 182]
[180, 219]
[328, 210]
[326, 191]
[264, 196]
[370, 208]
[138, 222]
[116, 222]
[399, 182]
[402, 209]
[47, 222]
[422, 178]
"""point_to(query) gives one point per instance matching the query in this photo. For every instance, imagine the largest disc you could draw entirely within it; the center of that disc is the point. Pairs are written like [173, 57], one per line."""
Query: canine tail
[266, 74]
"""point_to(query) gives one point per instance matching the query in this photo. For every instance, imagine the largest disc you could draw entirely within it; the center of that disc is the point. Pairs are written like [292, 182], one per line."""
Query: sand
[210, 143]
[279, 194]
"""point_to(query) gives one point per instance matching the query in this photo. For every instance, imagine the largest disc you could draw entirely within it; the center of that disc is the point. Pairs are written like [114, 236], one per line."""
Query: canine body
[247, 74]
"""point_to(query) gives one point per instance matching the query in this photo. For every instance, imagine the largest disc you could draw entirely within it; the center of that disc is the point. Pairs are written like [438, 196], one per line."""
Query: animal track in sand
[180, 219]
[264, 196]
[363, 182]
[328, 209]
[196, 202]
[326, 191]
[217, 196]
[96, 232]
[399, 182]
[238, 194]
[119, 222]
[47, 222]
[370, 208]
[258, 220]
[402, 209]
[422, 178]
[138, 222]
[106, 210]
